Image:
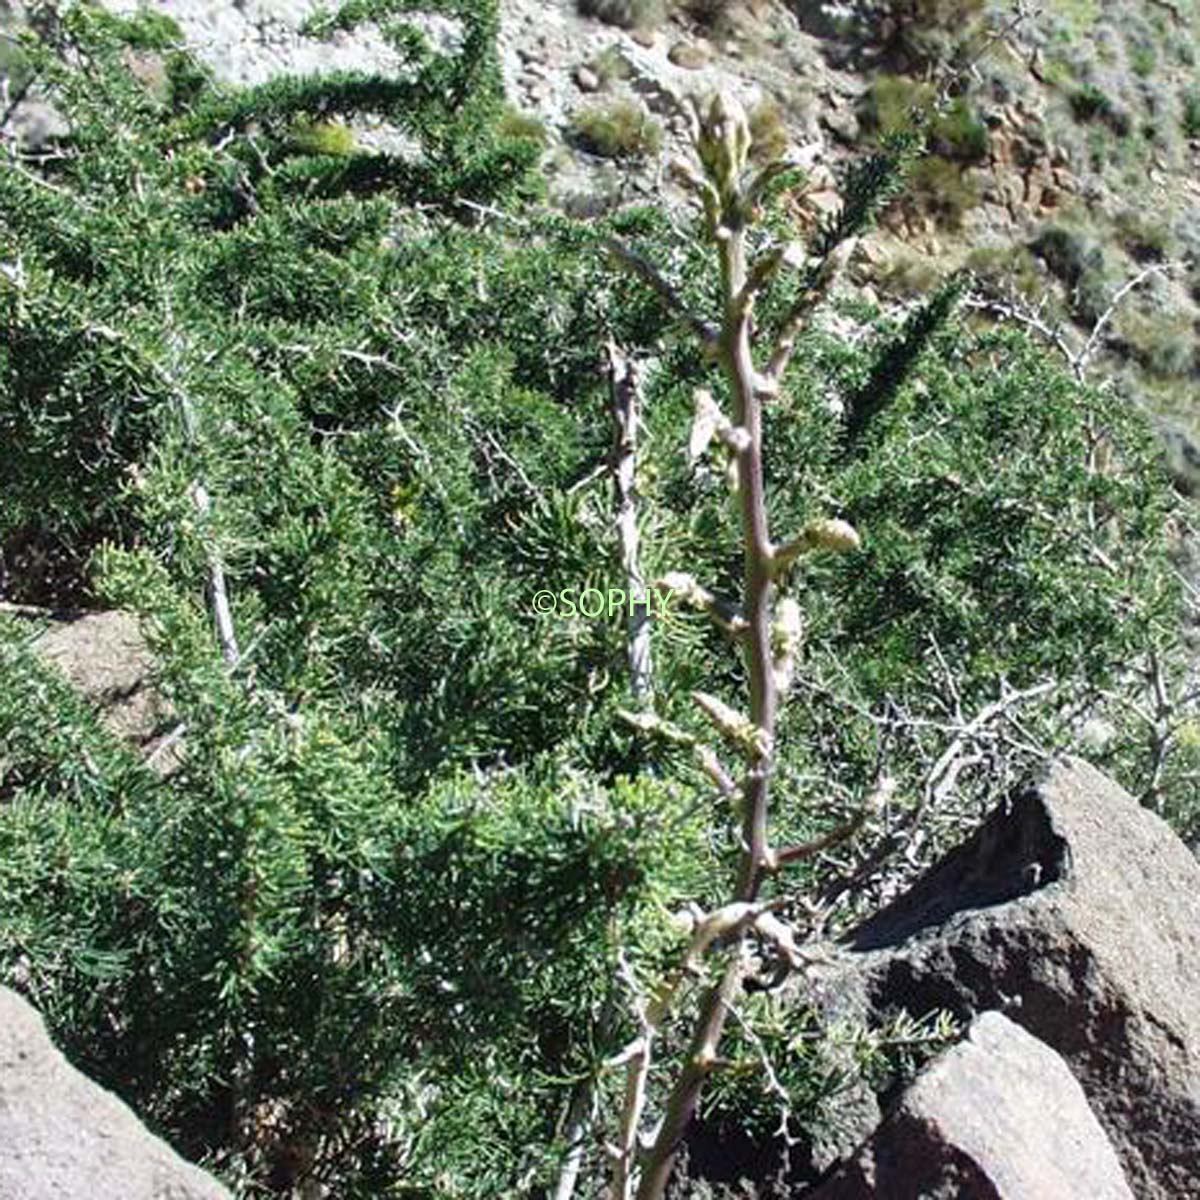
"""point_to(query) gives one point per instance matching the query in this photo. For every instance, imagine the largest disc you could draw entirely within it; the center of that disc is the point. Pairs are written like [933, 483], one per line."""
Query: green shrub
[925, 33]
[1163, 342]
[622, 129]
[894, 104]
[1007, 268]
[955, 15]
[769, 131]
[13, 65]
[958, 134]
[1068, 252]
[910, 275]
[1090, 103]
[1144, 237]
[147, 31]
[611, 66]
[943, 189]
[1142, 60]
[333, 138]
[522, 126]
[715, 14]
[897, 104]
[323, 356]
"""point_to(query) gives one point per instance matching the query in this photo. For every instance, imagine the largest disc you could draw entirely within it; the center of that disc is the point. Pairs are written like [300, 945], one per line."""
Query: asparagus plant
[766, 624]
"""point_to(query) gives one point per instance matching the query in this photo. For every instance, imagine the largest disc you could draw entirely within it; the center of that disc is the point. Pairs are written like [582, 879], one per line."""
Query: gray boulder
[998, 1117]
[62, 1137]
[1077, 913]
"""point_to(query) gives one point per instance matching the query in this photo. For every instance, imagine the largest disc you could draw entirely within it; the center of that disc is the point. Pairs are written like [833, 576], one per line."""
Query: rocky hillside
[1067, 166]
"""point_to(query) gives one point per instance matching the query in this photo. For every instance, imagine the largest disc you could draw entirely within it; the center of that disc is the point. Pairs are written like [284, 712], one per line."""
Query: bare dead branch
[1107, 315]
[625, 400]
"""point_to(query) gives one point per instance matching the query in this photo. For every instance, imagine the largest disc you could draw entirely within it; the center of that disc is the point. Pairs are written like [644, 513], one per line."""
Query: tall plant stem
[736, 359]
[737, 363]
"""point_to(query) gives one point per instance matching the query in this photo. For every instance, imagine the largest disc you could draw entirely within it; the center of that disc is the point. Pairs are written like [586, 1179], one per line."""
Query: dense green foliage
[366, 927]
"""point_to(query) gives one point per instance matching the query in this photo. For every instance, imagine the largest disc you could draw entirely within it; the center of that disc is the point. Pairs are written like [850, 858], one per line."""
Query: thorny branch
[1032, 317]
[938, 780]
